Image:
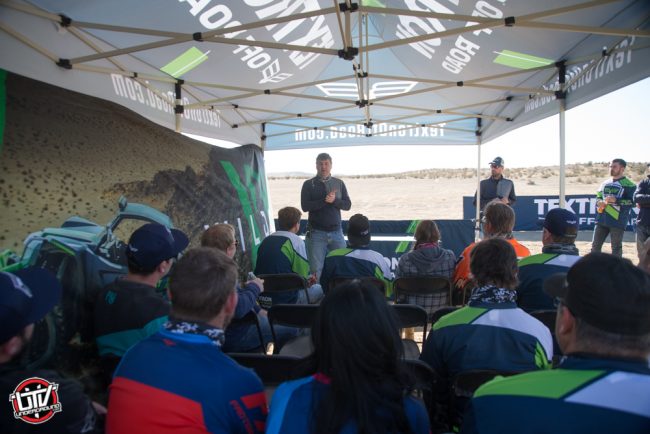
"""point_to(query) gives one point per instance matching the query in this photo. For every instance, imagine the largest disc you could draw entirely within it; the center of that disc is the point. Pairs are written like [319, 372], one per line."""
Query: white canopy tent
[288, 74]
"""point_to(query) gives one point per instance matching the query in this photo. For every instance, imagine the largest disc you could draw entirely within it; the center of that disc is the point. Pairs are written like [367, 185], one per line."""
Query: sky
[612, 126]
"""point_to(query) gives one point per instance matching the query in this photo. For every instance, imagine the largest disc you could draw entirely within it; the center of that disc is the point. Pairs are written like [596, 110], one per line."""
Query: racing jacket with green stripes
[357, 262]
[496, 336]
[533, 270]
[585, 395]
[616, 215]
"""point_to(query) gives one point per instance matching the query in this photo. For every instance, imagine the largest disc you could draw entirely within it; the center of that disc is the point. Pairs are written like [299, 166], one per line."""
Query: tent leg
[477, 225]
[561, 98]
[562, 153]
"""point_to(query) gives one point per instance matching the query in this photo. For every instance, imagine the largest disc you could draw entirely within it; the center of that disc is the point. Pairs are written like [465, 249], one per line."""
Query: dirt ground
[402, 197]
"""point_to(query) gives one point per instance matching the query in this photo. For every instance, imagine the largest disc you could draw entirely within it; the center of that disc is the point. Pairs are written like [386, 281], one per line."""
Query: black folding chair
[463, 388]
[547, 317]
[435, 316]
[293, 315]
[422, 286]
[281, 286]
[250, 319]
[273, 369]
[425, 380]
[377, 283]
[410, 315]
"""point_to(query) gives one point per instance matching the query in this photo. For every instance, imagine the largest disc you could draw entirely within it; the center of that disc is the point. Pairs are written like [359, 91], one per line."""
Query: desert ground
[437, 194]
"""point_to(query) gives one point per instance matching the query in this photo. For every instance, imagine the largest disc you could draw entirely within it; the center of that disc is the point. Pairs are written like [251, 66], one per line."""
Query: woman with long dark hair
[360, 385]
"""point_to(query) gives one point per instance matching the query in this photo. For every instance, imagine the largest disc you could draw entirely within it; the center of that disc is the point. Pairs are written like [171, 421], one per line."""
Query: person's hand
[610, 199]
[504, 200]
[331, 196]
[257, 281]
[311, 280]
[99, 409]
[262, 312]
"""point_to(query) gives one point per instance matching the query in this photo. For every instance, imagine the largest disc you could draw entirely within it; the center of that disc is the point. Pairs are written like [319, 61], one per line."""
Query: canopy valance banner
[311, 73]
[66, 154]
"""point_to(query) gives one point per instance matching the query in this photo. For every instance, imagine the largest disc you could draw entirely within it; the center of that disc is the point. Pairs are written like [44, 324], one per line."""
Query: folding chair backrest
[425, 380]
[273, 369]
[421, 286]
[281, 288]
[547, 317]
[283, 282]
[250, 319]
[293, 315]
[463, 388]
[410, 315]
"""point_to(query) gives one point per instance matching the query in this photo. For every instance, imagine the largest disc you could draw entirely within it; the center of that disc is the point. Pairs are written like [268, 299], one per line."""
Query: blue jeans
[315, 295]
[615, 236]
[319, 243]
[642, 234]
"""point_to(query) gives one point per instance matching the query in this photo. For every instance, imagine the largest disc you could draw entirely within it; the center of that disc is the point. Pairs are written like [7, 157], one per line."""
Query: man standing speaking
[496, 186]
[323, 197]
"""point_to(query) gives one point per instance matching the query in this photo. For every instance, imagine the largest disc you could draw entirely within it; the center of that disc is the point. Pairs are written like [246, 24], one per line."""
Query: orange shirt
[461, 274]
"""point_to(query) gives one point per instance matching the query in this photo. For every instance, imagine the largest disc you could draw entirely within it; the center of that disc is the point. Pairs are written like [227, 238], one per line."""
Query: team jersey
[496, 336]
[359, 262]
[617, 214]
[533, 270]
[585, 395]
[282, 252]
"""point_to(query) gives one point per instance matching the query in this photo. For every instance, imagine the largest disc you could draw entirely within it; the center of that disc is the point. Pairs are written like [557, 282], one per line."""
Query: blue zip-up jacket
[293, 402]
[324, 216]
[584, 395]
[358, 262]
[616, 215]
[642, 198]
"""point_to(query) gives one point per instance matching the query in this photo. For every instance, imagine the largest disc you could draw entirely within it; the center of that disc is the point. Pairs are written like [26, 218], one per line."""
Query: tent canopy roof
[306, 73]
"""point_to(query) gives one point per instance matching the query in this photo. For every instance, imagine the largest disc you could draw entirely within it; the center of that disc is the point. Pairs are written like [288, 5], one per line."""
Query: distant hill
[584, 173]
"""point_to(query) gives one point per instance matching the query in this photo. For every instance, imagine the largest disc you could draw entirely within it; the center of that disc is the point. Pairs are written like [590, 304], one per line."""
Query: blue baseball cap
[153, 243]
[558, 221]
[26, 296]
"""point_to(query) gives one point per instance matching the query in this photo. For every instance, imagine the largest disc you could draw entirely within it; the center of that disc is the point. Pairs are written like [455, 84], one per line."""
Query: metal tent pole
[477, 225]
[561, 97]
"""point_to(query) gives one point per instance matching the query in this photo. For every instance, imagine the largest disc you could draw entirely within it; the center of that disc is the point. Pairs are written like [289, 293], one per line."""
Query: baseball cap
[359, 230]
[26, 296]
[498, 161]
[153, 243]
[605, 291]
[558, 221]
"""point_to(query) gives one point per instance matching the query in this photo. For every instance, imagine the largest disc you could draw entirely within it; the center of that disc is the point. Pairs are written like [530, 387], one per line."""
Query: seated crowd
[165, 351]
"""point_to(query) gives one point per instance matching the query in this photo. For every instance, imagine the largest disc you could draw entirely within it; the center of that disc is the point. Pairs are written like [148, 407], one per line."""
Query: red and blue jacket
[172, 383]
